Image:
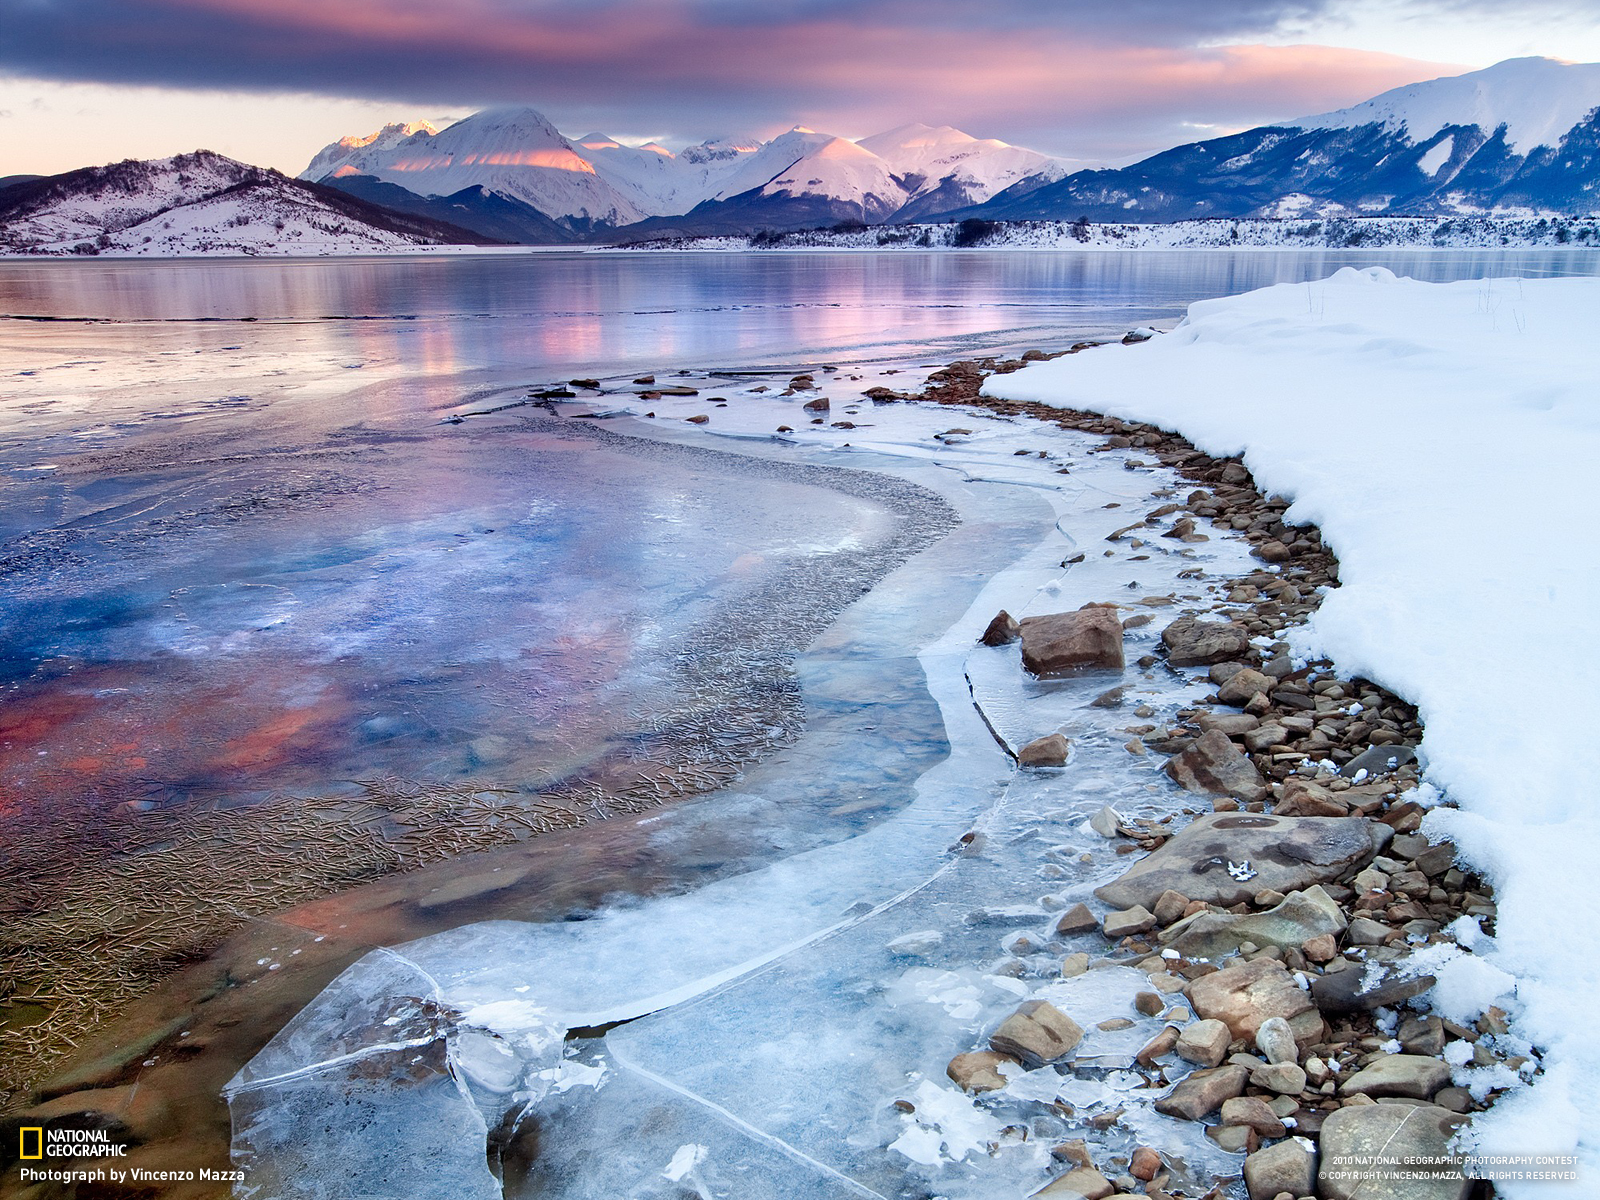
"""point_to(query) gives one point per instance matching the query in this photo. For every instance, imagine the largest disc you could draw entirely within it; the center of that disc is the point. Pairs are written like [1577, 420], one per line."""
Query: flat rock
[1085, 1183]
[1214, 766]
[1303, 799]
[1254, 1112]
[1284, 1078]
[1289, 1166]
[1299, 917]
[978, 1071]
[1037, 1033]
[1232, 724]
[1363, 1145]
[1412, 1076]
[1205, 1043]
[1002, 631]
[1227, 858]
[1243, 997]
[1124, 922]
[1195, 643]
[1362, 989]
[1048, 751]
[1203, 1092]
[1061, 643]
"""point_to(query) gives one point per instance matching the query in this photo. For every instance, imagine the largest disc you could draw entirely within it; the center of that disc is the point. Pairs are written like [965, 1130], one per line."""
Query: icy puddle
[784, 1032]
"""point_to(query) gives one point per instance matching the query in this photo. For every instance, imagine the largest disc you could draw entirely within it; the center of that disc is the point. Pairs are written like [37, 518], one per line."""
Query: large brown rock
[1228, 858]
[1080, 1183]
[1060, 643]
[1037, 1033]
[1289, 1166]
[1390, 1152]
[1411, 1076]
[1049, 751]
[1300, 917]
[1194, 643]
[1203, 1092]
[1214, 766]
[1243, 997]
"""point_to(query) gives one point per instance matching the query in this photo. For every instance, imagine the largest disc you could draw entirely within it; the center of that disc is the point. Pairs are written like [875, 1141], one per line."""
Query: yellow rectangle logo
[32, 1135]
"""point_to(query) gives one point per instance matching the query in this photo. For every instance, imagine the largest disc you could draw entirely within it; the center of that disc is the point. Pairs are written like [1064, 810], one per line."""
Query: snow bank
[1439, 434]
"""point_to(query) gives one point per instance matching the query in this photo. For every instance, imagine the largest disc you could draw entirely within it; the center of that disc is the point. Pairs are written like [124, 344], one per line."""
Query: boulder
[1205, 1043]
[978, 1071]
[1194, 643]
[1048, 751]
[1203, 1092]
[1037, 1033]
[1289, 1166]
[1080, 1183]
[1227, 858]
[1243, 997]
[1362, 989]
[1412, 1076]
[1002, 631]
[1374, 1152]
[1243, 686]
[1077, 919]
[1299, 917]
[1122, 923]
[1061, 643]
[1254, 1112]
[1214, 766]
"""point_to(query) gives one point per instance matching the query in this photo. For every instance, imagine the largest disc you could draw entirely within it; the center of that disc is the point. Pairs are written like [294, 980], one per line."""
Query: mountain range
[1519, 138]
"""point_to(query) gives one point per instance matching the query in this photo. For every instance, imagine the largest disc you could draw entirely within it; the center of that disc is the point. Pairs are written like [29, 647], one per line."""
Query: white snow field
[1442, 436]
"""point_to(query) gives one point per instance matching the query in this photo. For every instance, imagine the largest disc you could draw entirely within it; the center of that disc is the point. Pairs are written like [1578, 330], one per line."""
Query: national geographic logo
[40, 1143]
[32, 1143]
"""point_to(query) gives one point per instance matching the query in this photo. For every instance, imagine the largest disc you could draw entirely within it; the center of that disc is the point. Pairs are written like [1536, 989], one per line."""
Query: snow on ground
[1438, 434]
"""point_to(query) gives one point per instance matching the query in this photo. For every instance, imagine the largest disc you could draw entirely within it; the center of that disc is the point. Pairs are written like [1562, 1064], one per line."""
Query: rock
[1074, 965]
[1299, 917]
[1321, 948]
[1226, 858]
[915, 945]
[1214, 766]
[1235, 1139]
[1105, 822]
[1170, 906]
[1001, 631]
[1145, 1164]
[1203, 1092]
[1362, 989]
[1085, 1183]
[698, 419]
[1037, 1033]
[1302, 799]
[1232, 724]
[1243, 997]
[1378, 760]
[1149, 1004]
[978, 1071]
[1285, 1078]
[1254, 1112]
[1364, 931]
[1289, 1166]
[1122, 923]
[1077, 919]
[1110, 698]
[1195, 643]
[1367, 1149]
[1064, 642]
[1048, 751]
[1158, 1047]
[1412, 1076]
[1276, 1041]
[1272, 552]
[1243, 686]
[820, 404]
[678, 391]
[1205, 1043]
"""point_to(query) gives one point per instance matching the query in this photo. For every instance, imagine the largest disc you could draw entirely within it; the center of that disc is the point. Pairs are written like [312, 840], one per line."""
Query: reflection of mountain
[1523, 135]
[202, 203]
[486, 170]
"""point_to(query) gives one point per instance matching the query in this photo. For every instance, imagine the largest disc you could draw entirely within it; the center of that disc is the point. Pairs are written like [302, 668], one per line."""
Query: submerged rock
[1063, 642]
[1228, 858]
[1048, 751]
[1215, 766]
[978, 1071]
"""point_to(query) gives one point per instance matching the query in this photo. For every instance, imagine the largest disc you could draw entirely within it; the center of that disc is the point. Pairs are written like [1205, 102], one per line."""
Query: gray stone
[1214, 766]
[1123, 922]
[978, 1071]
[1002, 631]
[1283, 854]
[1194, 643]
[1300, 917]
[1412, 1076]
[1061, 643]
[1243, 687]
[1289, 1166]
[1276, 1041]
[1048, 751]
[1378, 760]
[1364, 1145]
[1205, 1043]
[1203, 1092]
[1265, 737]
[1105, 822]
[1362, 989]
[1243, 997]
[1037, 1033]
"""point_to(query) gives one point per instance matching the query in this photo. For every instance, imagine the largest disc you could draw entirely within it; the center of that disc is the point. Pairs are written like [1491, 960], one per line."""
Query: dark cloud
[1090, 78]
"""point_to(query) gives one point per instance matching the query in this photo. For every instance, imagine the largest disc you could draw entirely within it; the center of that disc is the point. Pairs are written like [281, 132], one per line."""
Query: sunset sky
[271, 81]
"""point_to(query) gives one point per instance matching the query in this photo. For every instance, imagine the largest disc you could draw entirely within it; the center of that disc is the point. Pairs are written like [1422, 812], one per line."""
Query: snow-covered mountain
[1521, 136]
[595, 183]
[201, 203]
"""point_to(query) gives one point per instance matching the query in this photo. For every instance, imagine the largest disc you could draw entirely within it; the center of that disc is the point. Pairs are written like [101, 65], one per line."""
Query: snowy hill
[200, 203]
[595, 183]
[1519, 137]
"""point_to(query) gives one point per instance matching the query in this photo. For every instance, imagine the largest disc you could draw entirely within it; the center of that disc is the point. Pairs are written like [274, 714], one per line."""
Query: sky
[272, 81]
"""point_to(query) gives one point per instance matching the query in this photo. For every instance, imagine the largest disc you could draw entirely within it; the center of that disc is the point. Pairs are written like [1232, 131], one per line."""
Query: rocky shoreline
[1278, 931]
